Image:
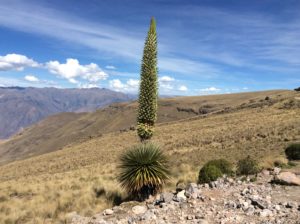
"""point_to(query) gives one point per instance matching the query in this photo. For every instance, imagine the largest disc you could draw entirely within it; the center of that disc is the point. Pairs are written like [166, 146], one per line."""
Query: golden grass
[46, 187]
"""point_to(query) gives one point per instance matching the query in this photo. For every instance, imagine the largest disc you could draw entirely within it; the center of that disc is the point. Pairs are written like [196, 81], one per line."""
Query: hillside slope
[63, 129]
[21, 107]
[44, 188]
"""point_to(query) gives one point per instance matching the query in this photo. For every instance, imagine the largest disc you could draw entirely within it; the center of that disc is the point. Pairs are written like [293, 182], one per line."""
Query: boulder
[287, 178]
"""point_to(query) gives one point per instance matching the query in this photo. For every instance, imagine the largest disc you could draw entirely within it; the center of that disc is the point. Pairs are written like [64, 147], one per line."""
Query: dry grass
[56, 132]
[46, 187]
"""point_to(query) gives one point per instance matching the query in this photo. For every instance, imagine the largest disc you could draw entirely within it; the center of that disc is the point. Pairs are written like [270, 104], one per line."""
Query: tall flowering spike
[147, 111]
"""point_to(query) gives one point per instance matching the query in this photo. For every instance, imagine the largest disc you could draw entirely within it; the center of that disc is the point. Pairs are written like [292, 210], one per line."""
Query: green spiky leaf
[144, 170]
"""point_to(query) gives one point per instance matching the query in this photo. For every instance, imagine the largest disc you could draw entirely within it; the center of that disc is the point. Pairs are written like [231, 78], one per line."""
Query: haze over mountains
[21, 107]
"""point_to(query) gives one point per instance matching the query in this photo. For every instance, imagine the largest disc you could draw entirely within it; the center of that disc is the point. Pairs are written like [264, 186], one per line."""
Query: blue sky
[205, 47]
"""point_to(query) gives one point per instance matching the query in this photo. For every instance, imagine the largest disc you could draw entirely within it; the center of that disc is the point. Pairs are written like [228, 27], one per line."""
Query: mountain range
[21, 107]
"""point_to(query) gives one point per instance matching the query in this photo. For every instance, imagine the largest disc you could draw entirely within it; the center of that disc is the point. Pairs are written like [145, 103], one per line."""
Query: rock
[265, 172]
[277, 207]
[202, 221]
[70, 216]
[266, 213]
[108, 212]
[291, 205]
[166, 197]
[139, 209]
[189, 217]
[229, 180]
[276, 170]
[191, 190]
[247, 203]
[181, 196]
[287, 178]
[250, 210]
[259, 203]
[150, 206]
[149, 215]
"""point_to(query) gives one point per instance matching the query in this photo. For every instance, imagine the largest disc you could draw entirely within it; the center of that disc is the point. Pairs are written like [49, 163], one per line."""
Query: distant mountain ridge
[23, 106]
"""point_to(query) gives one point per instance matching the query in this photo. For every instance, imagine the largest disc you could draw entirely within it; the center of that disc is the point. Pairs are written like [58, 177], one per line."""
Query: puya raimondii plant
[147, 110]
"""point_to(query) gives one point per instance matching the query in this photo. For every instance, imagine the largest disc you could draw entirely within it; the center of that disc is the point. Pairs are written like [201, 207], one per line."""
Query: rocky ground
[226, 200]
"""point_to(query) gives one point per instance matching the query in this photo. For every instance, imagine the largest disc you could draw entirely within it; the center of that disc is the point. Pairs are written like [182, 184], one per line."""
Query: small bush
[293, 151]
[114, 197]
[99, 191]
[247, 166]
[224, 166]
[209, 173]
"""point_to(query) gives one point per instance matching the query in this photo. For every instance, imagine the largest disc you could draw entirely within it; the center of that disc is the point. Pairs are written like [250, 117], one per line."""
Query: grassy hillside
[64, 129]
[44, 188]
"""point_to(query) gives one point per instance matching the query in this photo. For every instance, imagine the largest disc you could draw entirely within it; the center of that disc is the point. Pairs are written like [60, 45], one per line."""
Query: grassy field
[82, 177]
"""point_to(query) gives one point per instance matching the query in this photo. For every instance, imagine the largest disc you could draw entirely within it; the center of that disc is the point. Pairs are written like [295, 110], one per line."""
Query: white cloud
[131, 85]
[210, 89]
[31, 78]
[72, 69]
[166, 83]
[16, 62]
[111, 67]
[182, 88]
[166, 79]
[169, 84]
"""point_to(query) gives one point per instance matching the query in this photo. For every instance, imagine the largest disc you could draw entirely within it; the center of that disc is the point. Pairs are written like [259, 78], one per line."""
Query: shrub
[247, 166]
[209, 173]
[293, 151]
[224, 166]
[144, 170]
[99, 191]
[114, 197]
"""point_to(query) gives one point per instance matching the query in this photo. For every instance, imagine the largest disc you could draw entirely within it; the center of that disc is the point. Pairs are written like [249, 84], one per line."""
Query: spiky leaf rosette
[147, 111]
[144, 170]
